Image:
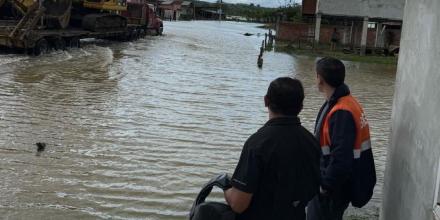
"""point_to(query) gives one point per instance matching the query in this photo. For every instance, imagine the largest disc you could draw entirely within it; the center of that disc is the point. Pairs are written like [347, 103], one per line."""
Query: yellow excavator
[94, 14]
[36, 25]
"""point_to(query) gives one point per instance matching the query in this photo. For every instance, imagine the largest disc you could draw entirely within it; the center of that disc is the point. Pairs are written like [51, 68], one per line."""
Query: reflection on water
[134, 129]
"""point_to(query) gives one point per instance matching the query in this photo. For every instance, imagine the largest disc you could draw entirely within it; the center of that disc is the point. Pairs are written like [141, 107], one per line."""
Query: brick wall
[294, 31]
[290, 31]
[309, 7]
[357, 36]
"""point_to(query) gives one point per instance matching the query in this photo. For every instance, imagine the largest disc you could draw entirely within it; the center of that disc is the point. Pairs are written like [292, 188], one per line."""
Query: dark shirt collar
[340, 91]
[284, 120]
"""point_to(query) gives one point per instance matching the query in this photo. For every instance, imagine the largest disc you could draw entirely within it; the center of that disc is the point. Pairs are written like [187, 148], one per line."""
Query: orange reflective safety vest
[362, 141]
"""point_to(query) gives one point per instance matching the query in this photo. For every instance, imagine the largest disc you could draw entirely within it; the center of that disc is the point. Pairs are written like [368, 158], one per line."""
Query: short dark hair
[331, 70]
[285, 96]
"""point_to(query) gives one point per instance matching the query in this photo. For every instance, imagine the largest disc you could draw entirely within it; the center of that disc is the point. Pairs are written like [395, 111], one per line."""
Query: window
[436, 205]
[372, 25]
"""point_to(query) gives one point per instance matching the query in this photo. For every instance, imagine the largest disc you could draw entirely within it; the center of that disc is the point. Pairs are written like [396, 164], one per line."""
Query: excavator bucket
[57, 13]
[56, 16]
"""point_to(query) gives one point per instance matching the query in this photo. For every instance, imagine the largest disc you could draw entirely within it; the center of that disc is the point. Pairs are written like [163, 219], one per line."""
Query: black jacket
[279, 165]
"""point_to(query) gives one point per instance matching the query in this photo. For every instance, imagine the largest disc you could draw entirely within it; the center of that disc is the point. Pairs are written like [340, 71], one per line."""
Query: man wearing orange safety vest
[347, 165]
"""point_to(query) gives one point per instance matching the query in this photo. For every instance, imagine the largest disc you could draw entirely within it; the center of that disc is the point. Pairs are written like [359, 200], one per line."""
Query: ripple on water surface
[135, 129]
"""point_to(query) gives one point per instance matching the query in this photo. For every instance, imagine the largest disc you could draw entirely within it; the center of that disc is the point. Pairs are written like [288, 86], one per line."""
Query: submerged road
[133, 130]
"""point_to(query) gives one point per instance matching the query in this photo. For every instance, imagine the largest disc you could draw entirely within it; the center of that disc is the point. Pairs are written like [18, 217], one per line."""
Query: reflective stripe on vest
[362, 140]
[366, 145]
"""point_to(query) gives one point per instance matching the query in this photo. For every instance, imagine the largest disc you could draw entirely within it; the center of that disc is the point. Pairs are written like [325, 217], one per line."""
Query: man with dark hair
[278, 171]
[347, 164]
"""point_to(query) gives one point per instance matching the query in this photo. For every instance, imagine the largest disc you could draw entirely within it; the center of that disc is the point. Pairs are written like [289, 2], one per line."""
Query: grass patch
[323, 51]
[267, 26]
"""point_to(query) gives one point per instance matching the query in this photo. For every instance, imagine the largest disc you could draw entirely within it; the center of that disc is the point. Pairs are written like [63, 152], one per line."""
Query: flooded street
[133, 130]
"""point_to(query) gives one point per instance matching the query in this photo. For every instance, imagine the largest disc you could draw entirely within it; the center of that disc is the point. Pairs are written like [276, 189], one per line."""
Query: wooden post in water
[260, 56]
[277, 27]
[265, 38]
[271, 37]
[260, 62]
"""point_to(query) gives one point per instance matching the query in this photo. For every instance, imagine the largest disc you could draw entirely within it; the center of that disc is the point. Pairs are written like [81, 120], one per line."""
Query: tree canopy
[289, 11]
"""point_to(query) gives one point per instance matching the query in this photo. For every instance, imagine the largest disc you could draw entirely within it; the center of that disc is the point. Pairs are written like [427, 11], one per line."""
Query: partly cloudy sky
[265, 3]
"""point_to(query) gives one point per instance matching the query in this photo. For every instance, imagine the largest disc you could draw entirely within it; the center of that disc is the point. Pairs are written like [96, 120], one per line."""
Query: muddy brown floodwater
[133, 130]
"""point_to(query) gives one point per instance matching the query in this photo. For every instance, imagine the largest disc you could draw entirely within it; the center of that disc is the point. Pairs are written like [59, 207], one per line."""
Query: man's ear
[266, 101]
[319, 79]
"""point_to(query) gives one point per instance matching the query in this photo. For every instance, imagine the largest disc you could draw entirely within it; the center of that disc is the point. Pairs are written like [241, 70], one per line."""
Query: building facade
[359, 23]
[373, 9]
[362, 14]
[170, 9]
[187, 10]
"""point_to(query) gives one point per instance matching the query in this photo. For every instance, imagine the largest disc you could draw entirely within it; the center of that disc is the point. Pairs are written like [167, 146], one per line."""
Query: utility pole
[156, 8]
[220, 10]
[194, 10]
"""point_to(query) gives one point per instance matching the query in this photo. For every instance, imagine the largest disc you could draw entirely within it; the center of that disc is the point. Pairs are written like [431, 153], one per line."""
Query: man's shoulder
[345, 107]
[260, 138]
[256, 138]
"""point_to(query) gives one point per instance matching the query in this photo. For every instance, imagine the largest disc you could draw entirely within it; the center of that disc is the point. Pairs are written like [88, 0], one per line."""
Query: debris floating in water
[40, 146]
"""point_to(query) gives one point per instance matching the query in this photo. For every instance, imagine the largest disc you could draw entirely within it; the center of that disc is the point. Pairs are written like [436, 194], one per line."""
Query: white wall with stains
[414, 151]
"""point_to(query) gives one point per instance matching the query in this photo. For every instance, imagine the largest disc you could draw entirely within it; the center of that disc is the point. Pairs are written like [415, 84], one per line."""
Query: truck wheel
[134, 35]
[59, 44]
[159, 30]
[142, 33]
[41, 47]
[74, 43]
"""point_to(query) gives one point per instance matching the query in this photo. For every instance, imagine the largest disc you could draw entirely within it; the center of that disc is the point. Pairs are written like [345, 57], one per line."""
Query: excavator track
[98, 22]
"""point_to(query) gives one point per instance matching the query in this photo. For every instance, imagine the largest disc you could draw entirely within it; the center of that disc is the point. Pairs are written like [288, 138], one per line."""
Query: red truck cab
[139, 12]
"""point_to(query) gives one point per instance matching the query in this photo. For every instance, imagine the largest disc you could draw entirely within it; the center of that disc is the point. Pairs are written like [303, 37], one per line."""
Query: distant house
[359, 23]
[187, 10]
[210, 14]
[208, 11]
[236, 18]
[368, 17]
[374, 9]
[169, 9]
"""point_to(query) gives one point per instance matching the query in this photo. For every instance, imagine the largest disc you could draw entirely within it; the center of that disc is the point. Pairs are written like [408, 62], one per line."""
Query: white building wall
[414, 151]
[169, 14]
[389, 9]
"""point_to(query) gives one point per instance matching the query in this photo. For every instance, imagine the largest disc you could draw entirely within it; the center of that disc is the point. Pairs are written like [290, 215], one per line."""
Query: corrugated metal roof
[169, 2]
[212, 11]
[186, 3]
[386, 9]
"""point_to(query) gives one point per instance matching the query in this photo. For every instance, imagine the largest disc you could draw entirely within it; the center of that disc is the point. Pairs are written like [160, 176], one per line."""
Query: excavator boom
[110, 5]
